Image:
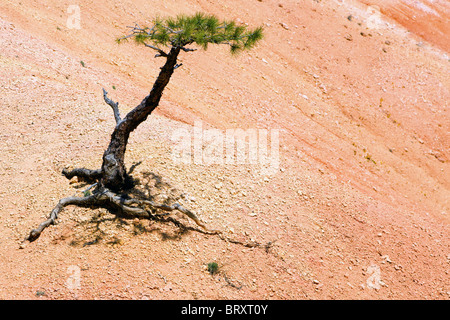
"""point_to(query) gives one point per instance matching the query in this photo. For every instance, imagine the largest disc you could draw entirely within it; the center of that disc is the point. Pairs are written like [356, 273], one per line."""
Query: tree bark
[113, 171]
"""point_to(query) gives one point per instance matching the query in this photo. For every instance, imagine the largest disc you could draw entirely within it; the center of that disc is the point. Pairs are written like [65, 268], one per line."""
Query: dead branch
[161, 53]
[187, 49]
[113, 105]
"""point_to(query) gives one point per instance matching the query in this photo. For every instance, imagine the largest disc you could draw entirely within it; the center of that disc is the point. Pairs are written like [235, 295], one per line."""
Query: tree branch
[187, 49]
[114, 106]
[161, 53]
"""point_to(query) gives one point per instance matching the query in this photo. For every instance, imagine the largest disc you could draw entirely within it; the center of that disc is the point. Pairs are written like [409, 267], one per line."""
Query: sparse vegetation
[213, 268]
[40, 293]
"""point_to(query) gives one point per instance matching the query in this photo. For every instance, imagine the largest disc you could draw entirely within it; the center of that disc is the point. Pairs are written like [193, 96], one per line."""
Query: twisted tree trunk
[113, 171]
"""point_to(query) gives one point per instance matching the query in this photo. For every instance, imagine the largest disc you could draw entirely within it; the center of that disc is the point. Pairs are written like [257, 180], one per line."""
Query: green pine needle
[199, 29]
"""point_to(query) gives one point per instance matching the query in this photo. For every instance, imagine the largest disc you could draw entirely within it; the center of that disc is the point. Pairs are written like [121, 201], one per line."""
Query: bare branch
[161, 53]
[126, 37]
[187, 49]
[114, 106]
[82, 173]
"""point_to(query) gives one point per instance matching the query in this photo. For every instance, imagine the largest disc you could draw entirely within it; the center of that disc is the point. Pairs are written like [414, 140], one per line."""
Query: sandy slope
[358, 209]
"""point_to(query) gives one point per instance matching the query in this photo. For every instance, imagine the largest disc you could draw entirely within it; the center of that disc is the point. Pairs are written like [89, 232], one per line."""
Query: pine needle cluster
[199, 29]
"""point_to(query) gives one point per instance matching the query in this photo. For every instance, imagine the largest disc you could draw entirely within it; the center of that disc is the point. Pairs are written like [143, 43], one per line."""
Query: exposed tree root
[247, 244]
[103, 197]
[128, 207]
[83, 174]
[230, 283]
[82, 202]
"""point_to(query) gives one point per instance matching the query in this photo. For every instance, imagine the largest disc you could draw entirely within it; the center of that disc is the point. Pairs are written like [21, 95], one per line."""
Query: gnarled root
[129, 207]
[83, 174]
[82, 202]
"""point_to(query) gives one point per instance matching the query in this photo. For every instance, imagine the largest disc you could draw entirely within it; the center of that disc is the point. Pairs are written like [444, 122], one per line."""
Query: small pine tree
[168, 37]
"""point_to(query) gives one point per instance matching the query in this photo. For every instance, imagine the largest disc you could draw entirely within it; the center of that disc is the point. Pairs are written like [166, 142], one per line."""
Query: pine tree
[168, 37]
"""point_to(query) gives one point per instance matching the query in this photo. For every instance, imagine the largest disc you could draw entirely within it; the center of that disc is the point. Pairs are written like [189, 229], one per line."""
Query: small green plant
[40, 293]
[213, 268]
[83, 64]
